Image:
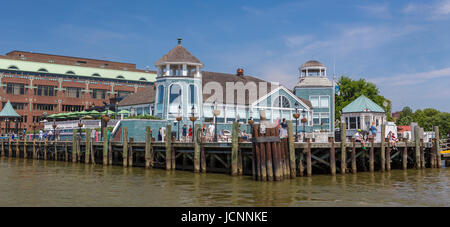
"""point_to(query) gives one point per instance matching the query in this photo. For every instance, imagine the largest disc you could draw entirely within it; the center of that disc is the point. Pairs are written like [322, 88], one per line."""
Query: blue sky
[402, 46]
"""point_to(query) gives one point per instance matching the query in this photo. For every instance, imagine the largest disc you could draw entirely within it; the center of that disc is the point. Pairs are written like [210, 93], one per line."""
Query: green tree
[427, 119]
[352, 89]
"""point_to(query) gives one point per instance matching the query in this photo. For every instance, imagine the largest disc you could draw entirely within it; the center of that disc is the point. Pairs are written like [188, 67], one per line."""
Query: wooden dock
[266, 160]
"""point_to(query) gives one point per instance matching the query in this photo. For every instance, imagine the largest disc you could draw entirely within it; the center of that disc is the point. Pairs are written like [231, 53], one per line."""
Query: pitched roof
[403, 128]
[362, 104]
[8, 111]
[313, 63]
[177, 55]
[223, 78]
[145, 96]
[314, 81]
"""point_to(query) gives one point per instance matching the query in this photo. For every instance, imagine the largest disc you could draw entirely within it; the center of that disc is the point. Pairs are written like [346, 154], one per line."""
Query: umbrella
[94, 113]
[109, 112]
[124, 112]
[83, 113]
[61, 115]
[53, 116]
[73, 114]
[87, 117]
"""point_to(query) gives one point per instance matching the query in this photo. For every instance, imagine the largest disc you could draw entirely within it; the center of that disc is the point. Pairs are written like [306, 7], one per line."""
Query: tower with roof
[315, 86]
[178, 84]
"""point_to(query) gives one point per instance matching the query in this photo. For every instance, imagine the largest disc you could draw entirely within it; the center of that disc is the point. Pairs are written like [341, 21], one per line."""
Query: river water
[49, 183]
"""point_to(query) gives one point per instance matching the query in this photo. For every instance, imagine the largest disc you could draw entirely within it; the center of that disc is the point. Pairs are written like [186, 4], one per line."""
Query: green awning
[94, 113]
[124, 112]
[109, 112]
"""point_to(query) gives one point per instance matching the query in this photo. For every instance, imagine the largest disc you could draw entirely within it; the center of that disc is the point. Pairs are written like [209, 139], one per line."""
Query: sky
[401, 46]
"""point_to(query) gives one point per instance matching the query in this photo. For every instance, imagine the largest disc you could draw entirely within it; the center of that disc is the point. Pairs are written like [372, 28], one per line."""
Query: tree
[352, 89]
[427, 119]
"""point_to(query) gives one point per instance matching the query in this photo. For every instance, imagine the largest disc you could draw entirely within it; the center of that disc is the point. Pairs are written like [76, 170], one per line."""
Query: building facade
[42, 83]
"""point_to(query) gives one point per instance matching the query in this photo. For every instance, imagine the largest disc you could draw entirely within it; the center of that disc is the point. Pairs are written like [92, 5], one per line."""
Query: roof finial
[179, 41]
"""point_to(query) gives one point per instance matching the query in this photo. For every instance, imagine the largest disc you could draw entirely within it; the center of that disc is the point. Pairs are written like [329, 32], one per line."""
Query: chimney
[240, 72]
[179, 41]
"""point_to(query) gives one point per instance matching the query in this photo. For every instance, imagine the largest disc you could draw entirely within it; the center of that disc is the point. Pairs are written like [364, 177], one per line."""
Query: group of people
[360, 138]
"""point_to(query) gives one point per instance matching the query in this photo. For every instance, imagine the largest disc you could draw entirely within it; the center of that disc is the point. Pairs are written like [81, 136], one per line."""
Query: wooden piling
[25, 155]
[277, 148]
[383, 148]
[66, 150]
[17, 151]
[417, 143]
[388, 156]
[56, 149]
[87, 153]
[110, 153]
[130, 152]
[263, 153]
[234, 149]
[45, 149]
[438, 147]
[253, 126]
[405, 155]
[3, 148]
[197, 150]
[105, 146]
[74, 146]
[292, 151]
[148, 144]
[92, 151]
[422, 154]
[257, 155]
[343, 148]
[284, 158]
[203, 161]
[34, 148]
[267, 148]
[125, 147]
[372, 156]
[9, 148]
[354, 170]
[332, 157]
[308, 158]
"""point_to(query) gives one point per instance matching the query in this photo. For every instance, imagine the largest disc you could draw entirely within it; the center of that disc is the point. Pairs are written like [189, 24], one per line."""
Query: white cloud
[412, 79]
[435, 11]
[380, 10]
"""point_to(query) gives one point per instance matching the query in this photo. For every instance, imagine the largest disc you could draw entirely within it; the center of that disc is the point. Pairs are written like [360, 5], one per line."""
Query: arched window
[120, 77]
[96, 75]
[192, 95]
[160, 94]
[43, 70]
[13, 67]
[175, 97]
[281, 102]
[70, 72]
[143, 79]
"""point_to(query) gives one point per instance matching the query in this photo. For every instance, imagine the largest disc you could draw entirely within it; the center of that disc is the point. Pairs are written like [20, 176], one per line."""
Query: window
[192, 95]
[47, 107]
[324, 119]
[282, 102]
[175, 98]
[123, 93]
[99, 94]
[17, 106]
[43, 90]
[15, 89]
[43, 70]
[353, 123]
[71, 108]
[314, 101]
[72, 92]
[316, 119]
[70, 72]
[120, 77]
[143, 79]
[324, 102]
[161, 94]
[96, 75]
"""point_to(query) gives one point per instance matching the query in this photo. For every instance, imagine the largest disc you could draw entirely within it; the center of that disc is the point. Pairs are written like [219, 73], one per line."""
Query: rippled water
[49, 183]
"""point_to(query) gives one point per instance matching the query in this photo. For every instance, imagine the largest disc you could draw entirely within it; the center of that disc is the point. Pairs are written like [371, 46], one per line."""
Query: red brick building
[42, 83]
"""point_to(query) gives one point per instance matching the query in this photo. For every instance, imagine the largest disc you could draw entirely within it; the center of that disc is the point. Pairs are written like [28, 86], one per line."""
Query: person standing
[41, 135]
[373, 130]
[211, 129]
[184, 133]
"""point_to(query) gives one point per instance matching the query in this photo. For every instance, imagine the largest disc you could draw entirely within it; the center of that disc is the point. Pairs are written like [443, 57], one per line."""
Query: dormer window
[96, 75]
[42, 70]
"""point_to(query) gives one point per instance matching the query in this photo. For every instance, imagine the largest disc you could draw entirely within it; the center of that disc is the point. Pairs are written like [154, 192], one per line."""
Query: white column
[184, 70]
[197, 74]
[168, 70]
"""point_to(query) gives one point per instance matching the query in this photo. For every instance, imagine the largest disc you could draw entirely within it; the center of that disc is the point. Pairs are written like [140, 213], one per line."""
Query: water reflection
[48, 183]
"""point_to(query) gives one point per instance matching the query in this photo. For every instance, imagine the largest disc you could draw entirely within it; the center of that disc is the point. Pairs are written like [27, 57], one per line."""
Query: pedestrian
[190, 132]
[359, 138]
[284, 127]
[184, 132]
[41, 135]
[211, 129]
[159, 135]
[373, 130]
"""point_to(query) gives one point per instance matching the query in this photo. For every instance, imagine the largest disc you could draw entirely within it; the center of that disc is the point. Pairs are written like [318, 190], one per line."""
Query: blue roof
[8, 111]
[362, 104]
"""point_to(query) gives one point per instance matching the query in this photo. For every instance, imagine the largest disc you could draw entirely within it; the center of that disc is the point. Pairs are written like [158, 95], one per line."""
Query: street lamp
[179, 118]
[216, 112]
[304, 120]
[296, 116]
[193, 119]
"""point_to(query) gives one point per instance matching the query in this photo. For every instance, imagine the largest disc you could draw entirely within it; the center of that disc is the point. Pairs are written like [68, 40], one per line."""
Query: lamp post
[153, 110]
[216, 112]
[304, 120]
[193, 119]
[179, 118]
[296, 115]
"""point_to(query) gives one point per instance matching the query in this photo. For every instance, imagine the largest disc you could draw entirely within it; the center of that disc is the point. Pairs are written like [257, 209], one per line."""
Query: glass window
[72, 92]
[161, 94]
[354, 123]
[45, 90]
[282, 102]
[99, 94]
[15, 89]
[325, 118]
[314, 101]
[316, 119]
[192, 94]
[324, 102]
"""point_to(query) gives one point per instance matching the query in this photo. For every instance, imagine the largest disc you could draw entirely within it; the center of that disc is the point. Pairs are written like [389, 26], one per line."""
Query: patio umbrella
[73, 114]
[94, 113]
[124, 112]
[109, 112]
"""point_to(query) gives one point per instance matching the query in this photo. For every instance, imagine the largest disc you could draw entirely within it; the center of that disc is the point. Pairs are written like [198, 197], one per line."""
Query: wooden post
[417, 141]
[343, 148]
[405, 155]
[45, 149]
[203, 161]
[105, 146]
[383, 147]
[125, 147]
[34, 148]
[9, 148]
[25, 155]
[438, 147]
[56, 149]
[308, 158]
[422, 154]
[17, 149]
[87, 153]
[292, 151]
[254, 173]
[276, 150]
[263, 155]
[234, 149]
[130, 152]
[354, 170]
[74, 146]
[388, 156]
[66, 155]
[372, 155]
[3, 148]
[196, 149]
[257, 155]
[92, 151]
[110, 153]
[269, 156]
[148, 144]
[332, 157]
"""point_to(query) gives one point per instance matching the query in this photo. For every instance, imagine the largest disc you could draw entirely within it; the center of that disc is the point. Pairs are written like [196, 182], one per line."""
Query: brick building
[42, 83]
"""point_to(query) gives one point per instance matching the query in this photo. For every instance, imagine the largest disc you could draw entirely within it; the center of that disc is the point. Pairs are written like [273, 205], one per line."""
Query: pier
[266, 158]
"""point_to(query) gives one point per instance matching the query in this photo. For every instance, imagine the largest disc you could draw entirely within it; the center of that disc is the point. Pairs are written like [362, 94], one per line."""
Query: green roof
[8, 111]
[362, 104]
